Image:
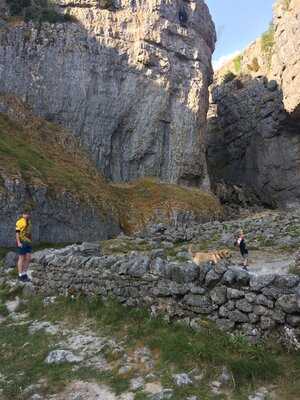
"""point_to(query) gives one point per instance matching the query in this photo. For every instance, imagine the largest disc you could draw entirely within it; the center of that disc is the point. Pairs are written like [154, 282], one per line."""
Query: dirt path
[267, 261]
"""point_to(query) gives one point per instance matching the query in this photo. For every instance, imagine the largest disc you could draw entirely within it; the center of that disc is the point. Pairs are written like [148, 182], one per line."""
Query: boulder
[182, 379]
[219, 295]
[165, 394]
[288, 303]
[286, 281]
[235, 293]
[201, 304]
[139, 266]
[212, 278]
[62, 356]
[258, 282]
[244, 306]
[225, 324]
[184, 273]
[238, 316]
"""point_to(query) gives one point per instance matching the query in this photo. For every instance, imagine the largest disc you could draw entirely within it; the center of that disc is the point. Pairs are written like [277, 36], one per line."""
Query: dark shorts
[25, 249]
[245, 255]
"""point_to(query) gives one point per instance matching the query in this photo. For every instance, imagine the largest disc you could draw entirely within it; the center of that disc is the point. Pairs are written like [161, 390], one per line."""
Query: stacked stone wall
[230, 296]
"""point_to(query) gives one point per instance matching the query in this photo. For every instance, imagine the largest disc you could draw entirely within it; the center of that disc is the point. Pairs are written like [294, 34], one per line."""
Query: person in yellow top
[24, 245]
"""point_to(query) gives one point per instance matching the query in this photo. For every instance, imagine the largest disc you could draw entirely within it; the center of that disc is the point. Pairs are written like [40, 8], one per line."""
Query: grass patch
[4, 251]
[146, 200]
[22, 360]
[3, 310]
[295, 270]
[262, 241]
[124, 246]
[176, 345]
[293, 230]
[174, 348]
[238, 63]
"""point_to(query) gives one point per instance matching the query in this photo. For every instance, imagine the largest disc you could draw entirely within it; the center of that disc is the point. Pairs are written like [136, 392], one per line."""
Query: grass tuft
[238, 63]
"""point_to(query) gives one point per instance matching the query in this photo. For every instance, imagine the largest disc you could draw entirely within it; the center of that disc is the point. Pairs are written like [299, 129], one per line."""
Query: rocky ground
[71, 349]
[273, 239]
[76, 349]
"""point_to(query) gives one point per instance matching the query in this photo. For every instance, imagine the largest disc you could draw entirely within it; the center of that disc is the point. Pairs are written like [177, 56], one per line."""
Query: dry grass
[148, 199]
[43, 154]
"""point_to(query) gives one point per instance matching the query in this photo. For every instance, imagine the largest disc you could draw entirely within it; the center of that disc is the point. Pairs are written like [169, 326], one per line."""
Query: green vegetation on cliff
[267, 42]
[228, 77]
[36, 10]
[238, 63]
[42, 154]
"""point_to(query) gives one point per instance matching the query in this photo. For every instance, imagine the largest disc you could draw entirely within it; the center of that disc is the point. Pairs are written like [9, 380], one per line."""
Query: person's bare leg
[21, 261]
[27, 262]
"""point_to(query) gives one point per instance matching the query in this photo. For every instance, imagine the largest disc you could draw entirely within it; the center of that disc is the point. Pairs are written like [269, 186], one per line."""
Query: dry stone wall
[230, 296]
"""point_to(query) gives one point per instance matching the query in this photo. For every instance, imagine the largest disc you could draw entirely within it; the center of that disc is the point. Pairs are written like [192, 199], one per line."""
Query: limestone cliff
[253, 139]
[42, 166]
[129, 78]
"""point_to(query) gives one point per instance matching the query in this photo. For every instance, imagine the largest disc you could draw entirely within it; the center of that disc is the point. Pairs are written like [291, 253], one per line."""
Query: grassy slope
[175, 349]
[41, 153]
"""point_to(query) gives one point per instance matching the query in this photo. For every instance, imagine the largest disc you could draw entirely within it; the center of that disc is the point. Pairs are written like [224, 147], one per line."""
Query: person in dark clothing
[133, 5]
[183, 16]
[240, 241]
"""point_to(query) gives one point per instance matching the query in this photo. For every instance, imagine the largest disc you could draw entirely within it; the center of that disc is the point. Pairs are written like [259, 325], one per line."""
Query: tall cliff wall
[253, 138]
[129, 78]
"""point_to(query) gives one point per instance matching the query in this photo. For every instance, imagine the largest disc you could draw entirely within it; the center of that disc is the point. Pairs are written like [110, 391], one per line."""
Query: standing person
[240, 241]
[24, 244]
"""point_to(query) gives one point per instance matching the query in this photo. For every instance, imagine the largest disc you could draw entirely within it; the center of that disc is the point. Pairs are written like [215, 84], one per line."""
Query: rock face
[286, 57]
[252, 142]
[56, 219]
[130, 79]
[249, 303]
[253, 136]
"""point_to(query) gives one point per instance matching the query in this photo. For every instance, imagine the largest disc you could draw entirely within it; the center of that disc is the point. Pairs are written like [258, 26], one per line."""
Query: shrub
[106, 4]
[287, 4]
[228, 77]
[267, 39]
[254, 66]
[36, 10]
[238, 63]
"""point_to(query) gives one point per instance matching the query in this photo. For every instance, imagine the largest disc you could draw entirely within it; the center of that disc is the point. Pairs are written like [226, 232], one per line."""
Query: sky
[238, 23]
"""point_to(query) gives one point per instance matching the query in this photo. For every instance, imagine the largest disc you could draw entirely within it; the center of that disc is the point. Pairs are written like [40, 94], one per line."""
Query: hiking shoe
[26, 278]
[21, 278]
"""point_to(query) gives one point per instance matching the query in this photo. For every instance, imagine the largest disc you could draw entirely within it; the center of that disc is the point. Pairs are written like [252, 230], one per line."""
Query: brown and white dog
[210, 256]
